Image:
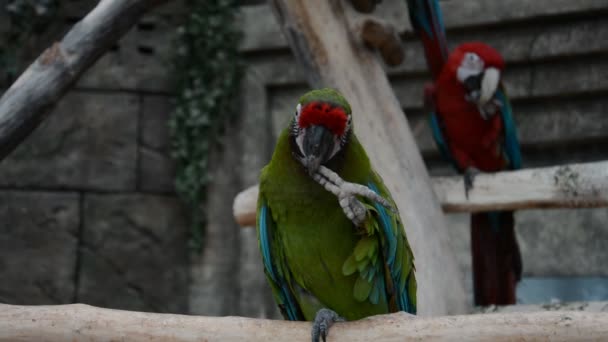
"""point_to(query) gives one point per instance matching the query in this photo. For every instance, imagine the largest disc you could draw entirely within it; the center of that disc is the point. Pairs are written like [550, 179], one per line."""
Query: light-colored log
[29, 100]
[78, 322]
[324, 38]
[565, 186]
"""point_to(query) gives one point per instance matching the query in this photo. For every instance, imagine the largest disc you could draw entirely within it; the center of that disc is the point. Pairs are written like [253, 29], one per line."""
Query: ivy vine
[208, 69]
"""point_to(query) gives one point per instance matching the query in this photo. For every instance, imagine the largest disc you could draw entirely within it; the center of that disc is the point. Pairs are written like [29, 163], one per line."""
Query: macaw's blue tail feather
[497, 265]
[427, 22]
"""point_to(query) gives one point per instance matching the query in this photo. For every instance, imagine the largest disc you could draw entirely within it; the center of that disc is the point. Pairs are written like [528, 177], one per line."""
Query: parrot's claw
[469, 179]
[324, 319]
[353, 209]
[346, 192]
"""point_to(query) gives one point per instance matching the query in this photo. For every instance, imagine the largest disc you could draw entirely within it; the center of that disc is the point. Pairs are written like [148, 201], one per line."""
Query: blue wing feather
[395, 268]
[265, 242]
[282, 291]
[511, 144]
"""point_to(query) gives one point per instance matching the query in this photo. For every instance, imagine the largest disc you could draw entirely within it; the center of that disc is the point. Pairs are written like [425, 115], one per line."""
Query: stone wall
[87, 210]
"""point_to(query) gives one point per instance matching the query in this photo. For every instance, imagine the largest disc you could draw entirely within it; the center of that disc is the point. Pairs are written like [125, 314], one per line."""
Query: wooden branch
[29, 100]
[79, 322]
[324, 38]
[383, 36]
[566, 186]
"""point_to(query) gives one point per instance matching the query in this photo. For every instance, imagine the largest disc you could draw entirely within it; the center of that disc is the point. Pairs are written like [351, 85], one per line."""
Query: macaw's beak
[489, 84]
[318, 146]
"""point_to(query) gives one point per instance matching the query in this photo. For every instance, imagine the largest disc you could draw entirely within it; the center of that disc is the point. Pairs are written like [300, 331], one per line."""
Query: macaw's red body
[474, 136]
[473, 140]
[473, 127]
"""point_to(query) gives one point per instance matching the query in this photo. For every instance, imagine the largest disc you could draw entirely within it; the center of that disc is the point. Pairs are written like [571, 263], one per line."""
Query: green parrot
[332, 242]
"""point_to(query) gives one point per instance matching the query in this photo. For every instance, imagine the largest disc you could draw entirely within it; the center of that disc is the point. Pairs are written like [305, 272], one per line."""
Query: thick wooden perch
[325, 40]
[79, 322]
[566, 186]
[27, 102]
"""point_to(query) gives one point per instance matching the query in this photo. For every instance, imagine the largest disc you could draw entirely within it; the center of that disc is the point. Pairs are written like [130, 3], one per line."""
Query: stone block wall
[87, 209]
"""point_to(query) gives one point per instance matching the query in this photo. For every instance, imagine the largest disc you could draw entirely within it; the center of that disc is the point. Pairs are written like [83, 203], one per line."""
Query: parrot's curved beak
[318, 146]
[489, 84]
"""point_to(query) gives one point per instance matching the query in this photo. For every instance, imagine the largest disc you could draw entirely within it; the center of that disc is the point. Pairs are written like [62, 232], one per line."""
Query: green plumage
[318, 257]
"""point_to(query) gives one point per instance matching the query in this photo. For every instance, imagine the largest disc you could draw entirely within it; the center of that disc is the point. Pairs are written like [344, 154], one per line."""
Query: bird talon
[324, 319]
[469, 179]
[347, 192]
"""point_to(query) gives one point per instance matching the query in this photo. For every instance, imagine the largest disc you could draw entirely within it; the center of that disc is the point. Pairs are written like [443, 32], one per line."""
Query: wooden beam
[565, 186]
[79, 322]
[325, 40]
[29, 100]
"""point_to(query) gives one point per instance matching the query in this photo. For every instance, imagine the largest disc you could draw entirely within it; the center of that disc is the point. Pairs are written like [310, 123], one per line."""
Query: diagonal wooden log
[325, 41]
[78, 322]
[29, 100]
[566, 186]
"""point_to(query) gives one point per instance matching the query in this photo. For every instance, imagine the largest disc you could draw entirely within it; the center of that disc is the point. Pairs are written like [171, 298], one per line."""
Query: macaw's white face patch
[471, 65]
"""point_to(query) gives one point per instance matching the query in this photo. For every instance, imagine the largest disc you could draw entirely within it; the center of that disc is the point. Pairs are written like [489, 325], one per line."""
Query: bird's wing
[510, 144]
[382, 257]
[275, 267]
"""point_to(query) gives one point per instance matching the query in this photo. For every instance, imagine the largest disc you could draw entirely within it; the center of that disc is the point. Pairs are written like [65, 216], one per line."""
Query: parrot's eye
[472, 61]
[471, 57]
[298, 109]
[348, 121]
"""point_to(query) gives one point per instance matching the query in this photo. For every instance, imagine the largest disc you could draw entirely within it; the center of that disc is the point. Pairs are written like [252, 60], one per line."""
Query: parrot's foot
[324, 319]
[346, 192]
[469, 179]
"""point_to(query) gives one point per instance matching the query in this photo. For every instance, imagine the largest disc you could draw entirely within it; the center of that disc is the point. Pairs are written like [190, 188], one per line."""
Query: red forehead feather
[324, 114]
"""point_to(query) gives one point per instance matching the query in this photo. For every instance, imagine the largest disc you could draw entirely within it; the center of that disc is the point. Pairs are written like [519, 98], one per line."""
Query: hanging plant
[208, 68]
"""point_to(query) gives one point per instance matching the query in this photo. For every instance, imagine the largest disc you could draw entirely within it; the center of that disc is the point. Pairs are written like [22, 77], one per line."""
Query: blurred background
[89, 210]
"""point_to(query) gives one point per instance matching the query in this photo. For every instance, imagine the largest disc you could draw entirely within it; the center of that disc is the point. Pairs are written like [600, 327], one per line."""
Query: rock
[134, 253]
[88, 142]
[38, 247]
[157, 170]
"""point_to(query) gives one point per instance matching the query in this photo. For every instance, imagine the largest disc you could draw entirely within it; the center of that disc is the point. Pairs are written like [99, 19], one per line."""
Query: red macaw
[473, 127]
